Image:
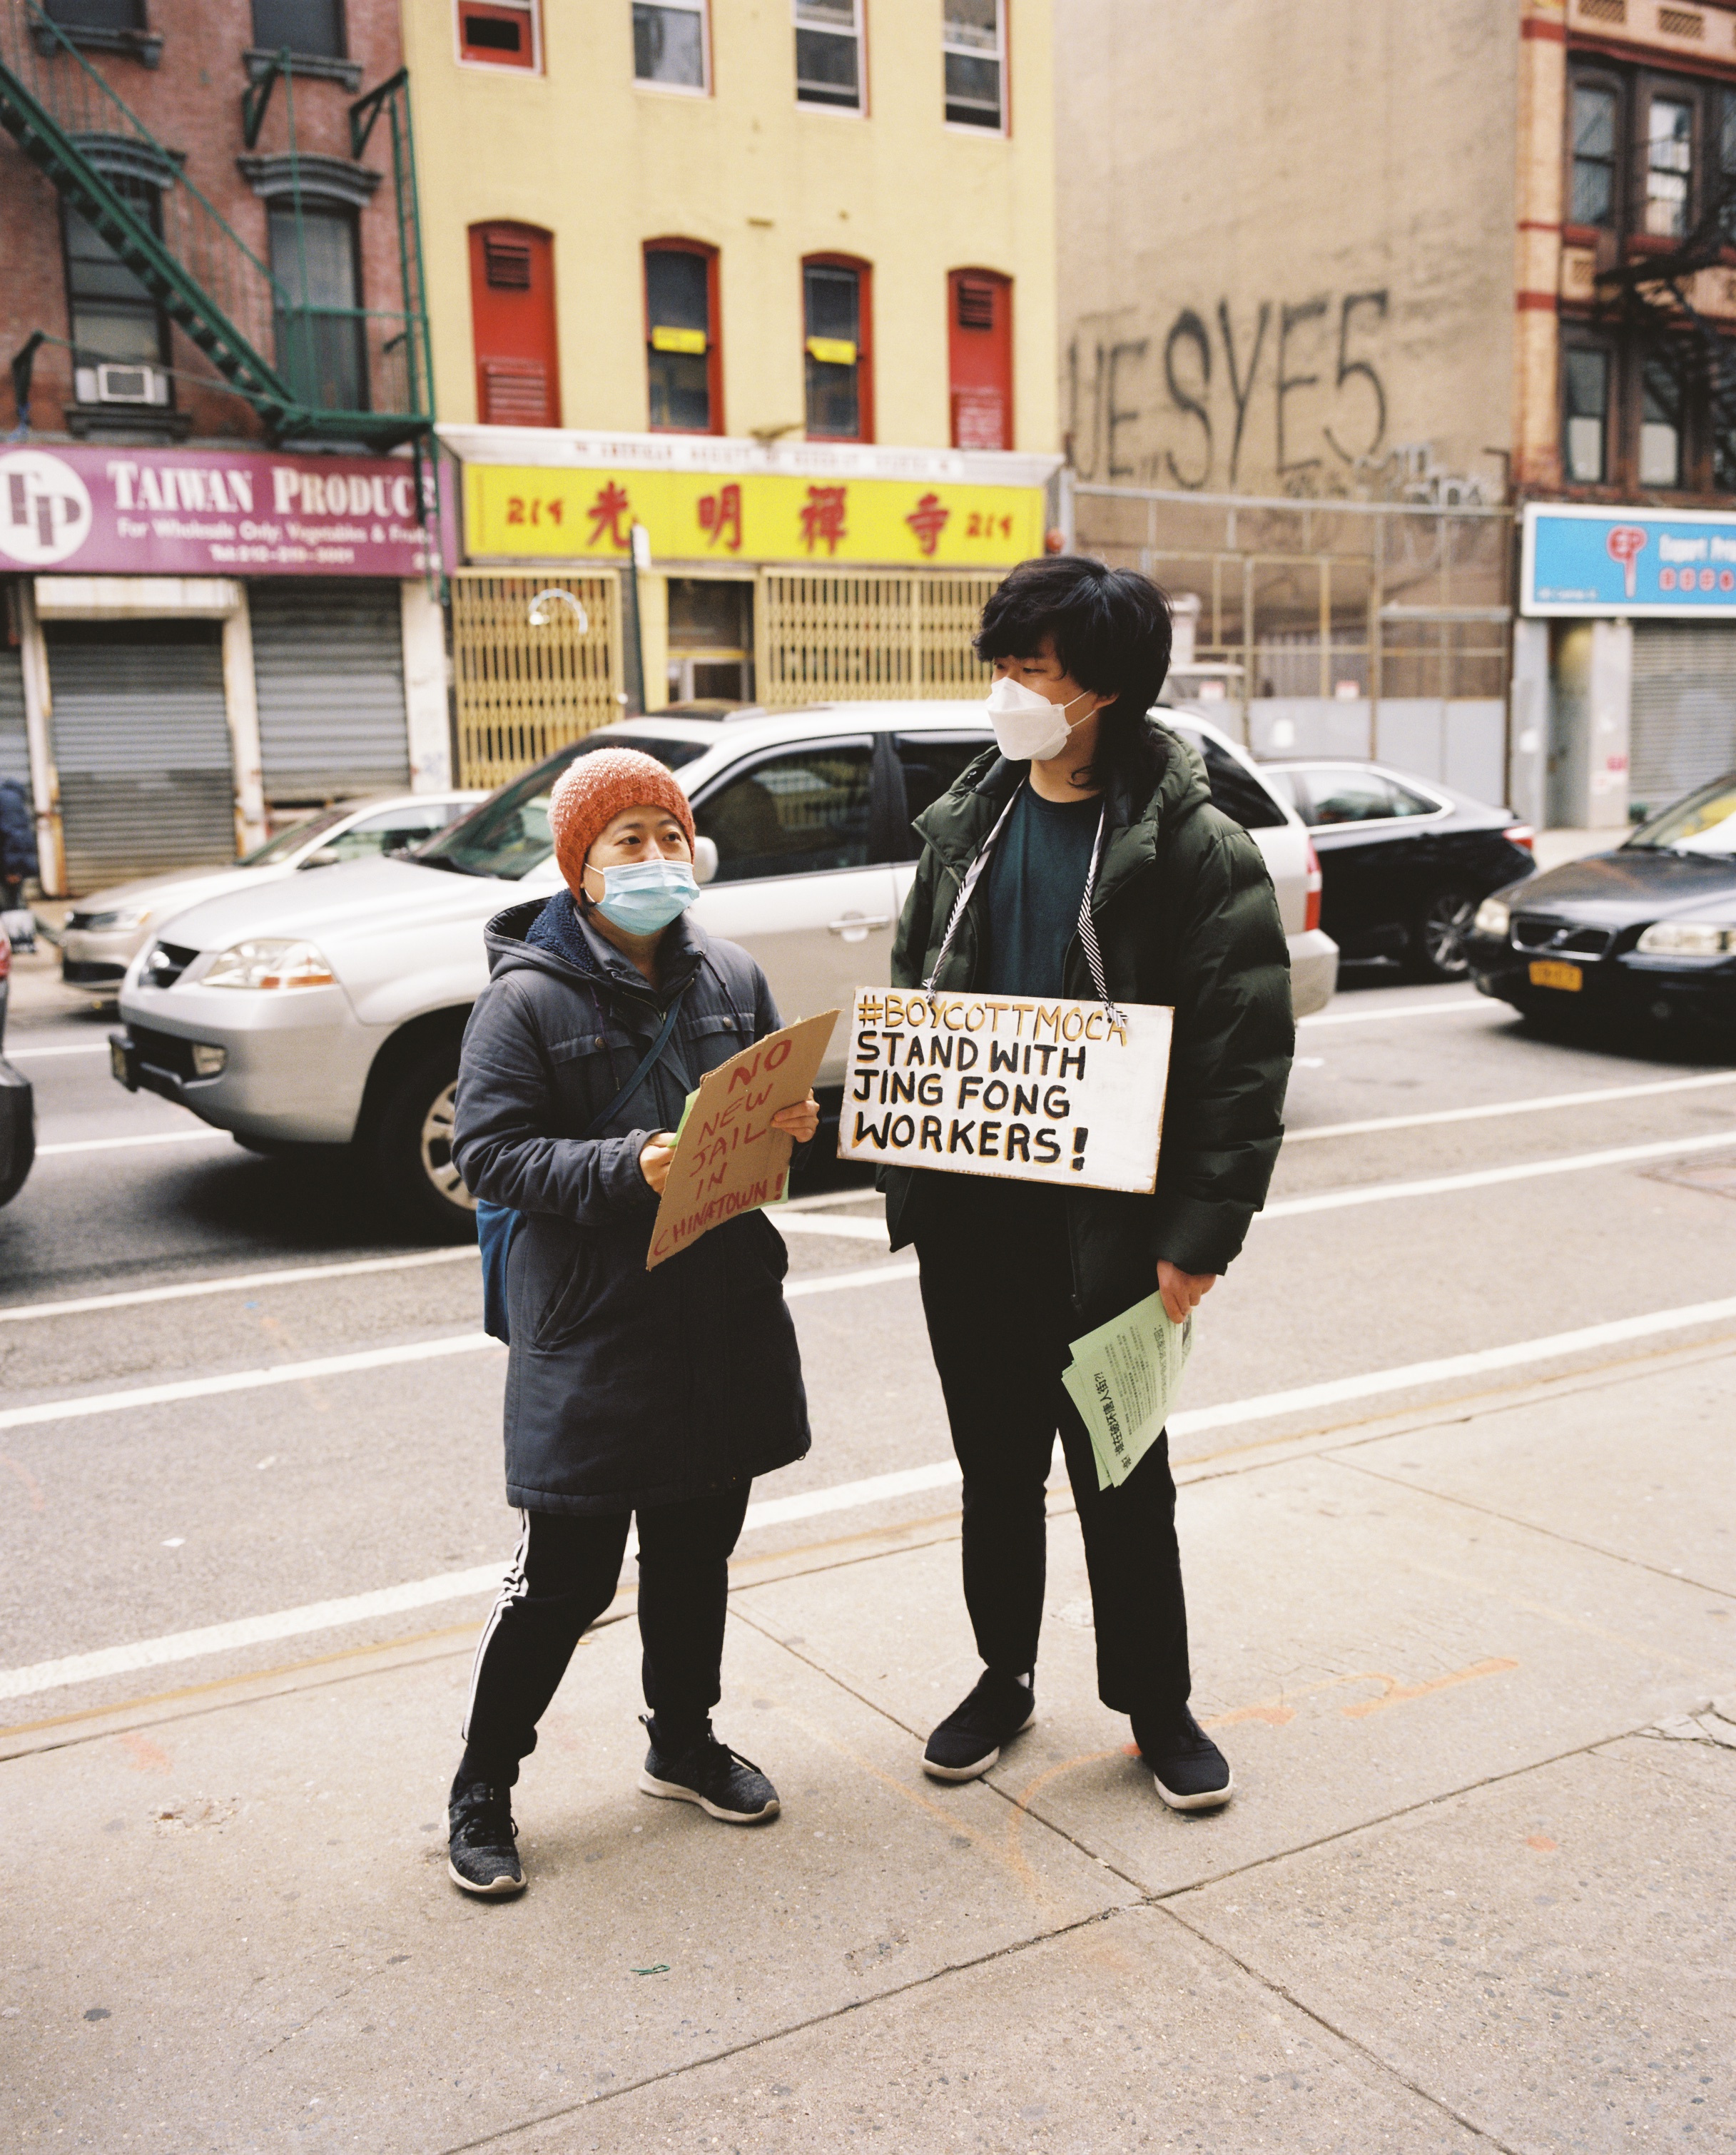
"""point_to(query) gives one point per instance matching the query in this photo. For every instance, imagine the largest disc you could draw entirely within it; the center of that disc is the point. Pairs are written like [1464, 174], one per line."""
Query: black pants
[996, 1289]
[562, 1579]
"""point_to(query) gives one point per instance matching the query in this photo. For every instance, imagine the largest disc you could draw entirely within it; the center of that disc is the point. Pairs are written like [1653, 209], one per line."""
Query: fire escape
[210, 283]
[1648, 299]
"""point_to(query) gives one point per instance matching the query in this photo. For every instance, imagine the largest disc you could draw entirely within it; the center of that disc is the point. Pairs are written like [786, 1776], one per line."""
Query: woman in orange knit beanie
[657, 1395]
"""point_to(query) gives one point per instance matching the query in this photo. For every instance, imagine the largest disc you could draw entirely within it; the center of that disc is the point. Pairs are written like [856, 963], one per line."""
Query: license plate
[121, 1062]
[1553, 973]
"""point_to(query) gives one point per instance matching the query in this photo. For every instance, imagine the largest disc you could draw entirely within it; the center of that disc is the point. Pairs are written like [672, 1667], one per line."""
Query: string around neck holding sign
[1087, 926]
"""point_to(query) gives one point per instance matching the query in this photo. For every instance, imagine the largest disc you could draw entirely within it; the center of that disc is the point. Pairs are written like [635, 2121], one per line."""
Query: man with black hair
[1013, 1271]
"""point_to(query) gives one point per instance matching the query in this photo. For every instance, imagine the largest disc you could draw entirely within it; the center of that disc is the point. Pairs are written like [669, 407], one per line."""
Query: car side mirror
[705, 859]
[322, 857]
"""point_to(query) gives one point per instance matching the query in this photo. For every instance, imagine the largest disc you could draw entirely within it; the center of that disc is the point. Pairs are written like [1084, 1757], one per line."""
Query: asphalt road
[1455, 1189]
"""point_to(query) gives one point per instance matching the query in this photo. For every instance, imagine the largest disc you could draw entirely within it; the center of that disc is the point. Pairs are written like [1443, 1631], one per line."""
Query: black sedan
[1405, 860]
[1647, 932]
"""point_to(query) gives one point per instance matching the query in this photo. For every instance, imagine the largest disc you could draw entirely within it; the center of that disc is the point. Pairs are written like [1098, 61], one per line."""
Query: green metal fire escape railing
[337, 372]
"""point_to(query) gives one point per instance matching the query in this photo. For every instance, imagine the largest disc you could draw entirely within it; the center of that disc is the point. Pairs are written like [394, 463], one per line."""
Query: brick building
[213, 512]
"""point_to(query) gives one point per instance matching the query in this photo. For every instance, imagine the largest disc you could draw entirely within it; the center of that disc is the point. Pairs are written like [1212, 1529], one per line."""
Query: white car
[103, 933]
[328, 1011]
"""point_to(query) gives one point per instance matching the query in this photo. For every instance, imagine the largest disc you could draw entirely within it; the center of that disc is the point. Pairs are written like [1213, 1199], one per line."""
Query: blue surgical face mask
[643, 896]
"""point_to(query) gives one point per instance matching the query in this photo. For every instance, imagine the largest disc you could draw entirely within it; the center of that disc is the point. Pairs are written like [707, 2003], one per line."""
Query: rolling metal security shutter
[141, 745]
[1684, 708]
[14, 747]
[329, 665]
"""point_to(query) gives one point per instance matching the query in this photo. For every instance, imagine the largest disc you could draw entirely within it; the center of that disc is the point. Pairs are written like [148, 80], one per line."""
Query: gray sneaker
[479, 1853]
[720, 1781]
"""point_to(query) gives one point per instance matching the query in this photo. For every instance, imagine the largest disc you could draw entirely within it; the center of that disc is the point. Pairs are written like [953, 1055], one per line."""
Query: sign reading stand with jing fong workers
[1059, 1091]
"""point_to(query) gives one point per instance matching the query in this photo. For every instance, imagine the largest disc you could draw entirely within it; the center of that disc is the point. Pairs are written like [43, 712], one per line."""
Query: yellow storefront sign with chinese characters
[514, 512]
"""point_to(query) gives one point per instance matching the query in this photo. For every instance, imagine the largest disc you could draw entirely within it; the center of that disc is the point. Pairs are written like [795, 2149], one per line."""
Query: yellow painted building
[772, 280]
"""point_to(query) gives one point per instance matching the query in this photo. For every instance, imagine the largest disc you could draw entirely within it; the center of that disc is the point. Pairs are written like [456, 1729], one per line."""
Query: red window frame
[528, 13]
[512, 324]
[864, 343]
[980, 359]
[671, 244]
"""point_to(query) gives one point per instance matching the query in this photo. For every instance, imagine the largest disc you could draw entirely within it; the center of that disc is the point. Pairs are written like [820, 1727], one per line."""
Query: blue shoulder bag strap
[496, 1225]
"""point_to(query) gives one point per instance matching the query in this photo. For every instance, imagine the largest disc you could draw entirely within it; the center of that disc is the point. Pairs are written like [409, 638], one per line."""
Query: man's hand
[799, 1121]
[1181, 1291]
[654, 1157]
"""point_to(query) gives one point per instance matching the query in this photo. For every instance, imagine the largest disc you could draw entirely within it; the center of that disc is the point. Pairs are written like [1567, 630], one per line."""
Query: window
[1660, 428]
[835, 316]
[96, 14]
[1586, 419]
[512, 315]
[798, 814]
[315, 28]
[1356, 796]
[710, 639]
[828, 53]
[669, 45]
[1594, 154]
[393, 830]
[978, 341]
[932, 764]
[1726, 163]
[113, 317]
[1235, 790]
[499, 34]
[971, 32]
[682, 361]
[1669, 162]
[321, 344]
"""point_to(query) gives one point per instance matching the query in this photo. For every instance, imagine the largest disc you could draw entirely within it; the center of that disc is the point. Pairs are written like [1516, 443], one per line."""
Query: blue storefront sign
[1637, 562]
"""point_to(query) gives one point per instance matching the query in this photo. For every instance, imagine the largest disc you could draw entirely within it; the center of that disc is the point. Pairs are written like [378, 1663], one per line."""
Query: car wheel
[1437, 936]
[412, 1149]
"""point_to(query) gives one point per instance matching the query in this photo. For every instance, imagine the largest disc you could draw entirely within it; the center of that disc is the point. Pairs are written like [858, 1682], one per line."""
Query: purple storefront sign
[208, 512]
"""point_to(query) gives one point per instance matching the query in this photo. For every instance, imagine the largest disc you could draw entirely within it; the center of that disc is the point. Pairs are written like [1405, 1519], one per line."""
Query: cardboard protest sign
[1036, 1092]
[729, 1158]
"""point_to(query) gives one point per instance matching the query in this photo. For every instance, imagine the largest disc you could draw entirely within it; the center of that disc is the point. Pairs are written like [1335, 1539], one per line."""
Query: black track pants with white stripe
[562, 1579]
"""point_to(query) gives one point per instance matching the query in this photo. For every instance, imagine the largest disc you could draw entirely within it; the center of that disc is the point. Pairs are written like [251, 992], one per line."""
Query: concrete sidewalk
[1475, 1891]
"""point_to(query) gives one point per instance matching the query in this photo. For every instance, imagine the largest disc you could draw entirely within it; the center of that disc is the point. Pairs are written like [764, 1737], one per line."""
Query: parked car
[103, 932]
[1646, 933]
[17, 1101]
[1406, 860]
[328, 1011]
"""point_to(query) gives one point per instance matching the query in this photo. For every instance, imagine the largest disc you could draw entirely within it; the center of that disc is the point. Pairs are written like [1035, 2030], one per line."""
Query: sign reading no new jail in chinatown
[1036, 1092]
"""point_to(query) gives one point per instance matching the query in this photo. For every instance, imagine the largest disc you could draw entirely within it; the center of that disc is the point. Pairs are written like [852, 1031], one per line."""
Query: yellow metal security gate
[525, 687]
[822, 637]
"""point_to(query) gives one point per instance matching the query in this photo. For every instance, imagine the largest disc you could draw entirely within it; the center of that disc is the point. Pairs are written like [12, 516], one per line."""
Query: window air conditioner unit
[110, 383]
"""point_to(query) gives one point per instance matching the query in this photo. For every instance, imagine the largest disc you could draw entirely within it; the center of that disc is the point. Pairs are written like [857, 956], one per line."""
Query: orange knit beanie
[593, 790]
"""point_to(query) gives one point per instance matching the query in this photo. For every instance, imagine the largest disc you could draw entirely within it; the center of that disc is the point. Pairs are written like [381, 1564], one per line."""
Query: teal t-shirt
[1033, 883]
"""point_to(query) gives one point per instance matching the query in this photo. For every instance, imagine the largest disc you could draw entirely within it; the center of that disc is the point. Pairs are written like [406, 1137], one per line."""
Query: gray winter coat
[624, 1388]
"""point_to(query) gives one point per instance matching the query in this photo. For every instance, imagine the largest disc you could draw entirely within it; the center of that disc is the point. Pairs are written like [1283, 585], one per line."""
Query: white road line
[1498, 1108]
[1483, 1178]
[123, 1144]
[1455, 1009]
[83, 1407]
[854, 1230]
[235, 1283]
[40, 1054]
[841, 1496]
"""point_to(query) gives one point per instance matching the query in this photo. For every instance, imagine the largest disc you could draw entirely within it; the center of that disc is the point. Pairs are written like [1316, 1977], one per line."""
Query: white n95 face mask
[1028, 728]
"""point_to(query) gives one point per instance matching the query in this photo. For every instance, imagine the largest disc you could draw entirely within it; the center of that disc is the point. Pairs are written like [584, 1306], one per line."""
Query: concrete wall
[581, 150]
[1287, 239]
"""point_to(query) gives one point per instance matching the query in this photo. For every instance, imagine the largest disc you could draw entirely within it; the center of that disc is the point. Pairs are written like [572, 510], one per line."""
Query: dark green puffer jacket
[1186, 915]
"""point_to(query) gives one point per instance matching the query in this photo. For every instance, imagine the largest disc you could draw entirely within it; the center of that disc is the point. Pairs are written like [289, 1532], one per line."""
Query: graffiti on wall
[1290, 388]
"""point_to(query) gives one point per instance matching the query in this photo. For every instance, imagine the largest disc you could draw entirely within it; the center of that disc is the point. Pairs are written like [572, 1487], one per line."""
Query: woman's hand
[654, 1157]
[799, 1121]
[1181, 1291]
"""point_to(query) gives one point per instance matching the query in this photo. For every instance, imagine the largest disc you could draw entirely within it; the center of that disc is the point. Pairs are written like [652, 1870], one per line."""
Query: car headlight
[123, 916]
[273, 963]
[1687, 939]
[1493, 917]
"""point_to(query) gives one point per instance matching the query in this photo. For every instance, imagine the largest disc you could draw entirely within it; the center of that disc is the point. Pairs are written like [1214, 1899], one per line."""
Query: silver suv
[327, 1010]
